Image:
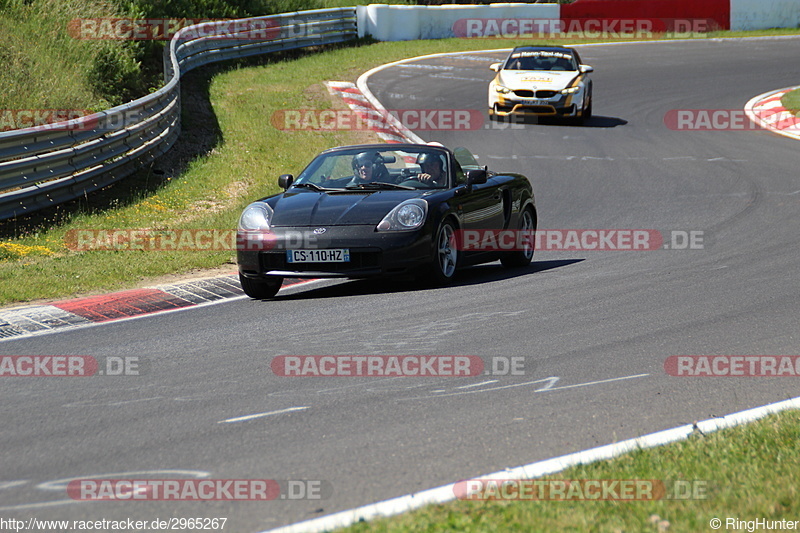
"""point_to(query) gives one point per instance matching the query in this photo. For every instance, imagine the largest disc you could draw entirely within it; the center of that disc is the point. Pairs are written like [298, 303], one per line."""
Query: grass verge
[791, 101]
[237, 161]
[746, 473]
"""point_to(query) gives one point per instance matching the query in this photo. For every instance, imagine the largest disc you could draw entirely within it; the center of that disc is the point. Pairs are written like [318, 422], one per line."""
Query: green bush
[116, 75]
[214, 8]
[44, 67]
[791, 101]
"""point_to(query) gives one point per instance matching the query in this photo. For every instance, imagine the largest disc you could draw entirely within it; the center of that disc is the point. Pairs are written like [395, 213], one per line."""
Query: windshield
[465, 159]
[423, 168]
[541, 60]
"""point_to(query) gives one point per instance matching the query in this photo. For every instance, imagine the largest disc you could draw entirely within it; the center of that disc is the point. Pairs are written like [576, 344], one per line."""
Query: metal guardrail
[46, 165]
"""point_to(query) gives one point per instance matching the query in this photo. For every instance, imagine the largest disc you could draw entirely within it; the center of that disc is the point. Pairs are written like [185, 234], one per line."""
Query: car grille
[527, 93]
[359, 258]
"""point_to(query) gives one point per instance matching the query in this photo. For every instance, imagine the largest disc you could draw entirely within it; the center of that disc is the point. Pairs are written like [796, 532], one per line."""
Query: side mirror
[476, 176]
[495, 66]
[285, 181]
[585, 69]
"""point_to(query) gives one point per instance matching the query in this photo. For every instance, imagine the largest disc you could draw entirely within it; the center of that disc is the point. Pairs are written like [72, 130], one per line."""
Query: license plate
[337, 255]
[535, 102]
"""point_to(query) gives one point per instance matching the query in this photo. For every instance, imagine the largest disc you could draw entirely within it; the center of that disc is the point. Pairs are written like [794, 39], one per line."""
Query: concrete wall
[406, 23]
[764, 14]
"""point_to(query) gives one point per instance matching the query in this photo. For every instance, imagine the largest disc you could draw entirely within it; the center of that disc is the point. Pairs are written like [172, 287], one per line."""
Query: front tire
[261, 288]
[522, 258]
[446, 256]
[587, 111]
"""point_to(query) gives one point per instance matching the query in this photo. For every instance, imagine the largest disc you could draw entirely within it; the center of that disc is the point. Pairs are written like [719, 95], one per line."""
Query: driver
[367, 167]
[432, 169]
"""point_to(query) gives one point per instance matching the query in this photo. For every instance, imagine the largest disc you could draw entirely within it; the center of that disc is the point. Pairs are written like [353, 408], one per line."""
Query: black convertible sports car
[385, 210]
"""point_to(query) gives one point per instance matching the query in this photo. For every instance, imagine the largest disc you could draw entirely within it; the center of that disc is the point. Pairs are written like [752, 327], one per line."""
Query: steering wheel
[417, 183]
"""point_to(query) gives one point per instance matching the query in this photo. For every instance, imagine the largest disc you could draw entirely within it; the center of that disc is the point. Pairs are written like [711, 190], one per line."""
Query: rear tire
[522, 258]
[261, 288]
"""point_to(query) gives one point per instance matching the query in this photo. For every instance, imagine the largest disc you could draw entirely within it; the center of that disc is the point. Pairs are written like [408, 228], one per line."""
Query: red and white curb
[447, 493]
[31, 320]
[767, 111]
[37, 319]
[381, 121]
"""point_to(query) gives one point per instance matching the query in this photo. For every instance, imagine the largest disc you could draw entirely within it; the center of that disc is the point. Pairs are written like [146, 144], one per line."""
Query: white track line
[262, 415]
[446, 493]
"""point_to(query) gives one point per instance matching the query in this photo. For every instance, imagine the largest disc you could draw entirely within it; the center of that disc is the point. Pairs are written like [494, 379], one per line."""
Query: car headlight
[256, 216]
[502, 90]
[406, 216]
[571, 90]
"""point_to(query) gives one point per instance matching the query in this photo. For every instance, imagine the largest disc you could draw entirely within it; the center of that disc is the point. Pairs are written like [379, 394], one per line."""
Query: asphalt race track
[599, 324]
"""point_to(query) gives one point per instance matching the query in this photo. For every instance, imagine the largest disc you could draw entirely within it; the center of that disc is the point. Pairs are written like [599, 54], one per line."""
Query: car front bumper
[560, 105]
[371, 253]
